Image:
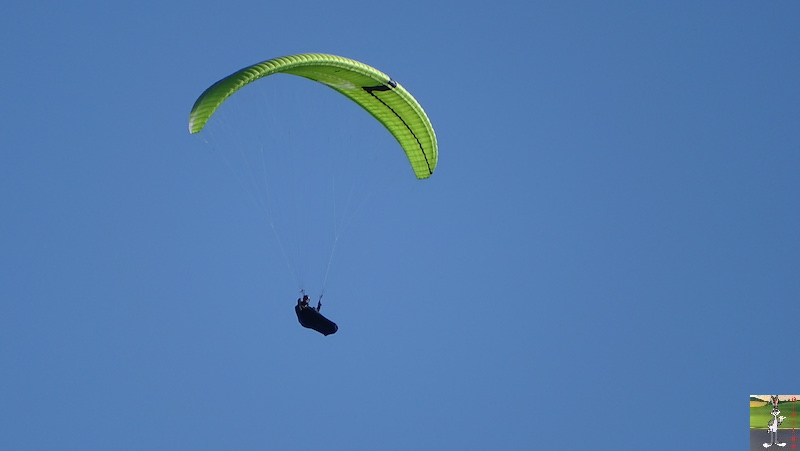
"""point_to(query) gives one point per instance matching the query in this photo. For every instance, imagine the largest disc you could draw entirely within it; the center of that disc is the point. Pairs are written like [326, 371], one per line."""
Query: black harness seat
[309, 317]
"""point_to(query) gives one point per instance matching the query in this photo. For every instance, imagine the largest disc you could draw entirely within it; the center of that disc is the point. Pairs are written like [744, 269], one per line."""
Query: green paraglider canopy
[370, 88]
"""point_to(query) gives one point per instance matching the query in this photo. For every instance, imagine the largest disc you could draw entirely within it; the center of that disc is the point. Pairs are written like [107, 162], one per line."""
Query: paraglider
[311, 318]
[381, 96]
[376, 92]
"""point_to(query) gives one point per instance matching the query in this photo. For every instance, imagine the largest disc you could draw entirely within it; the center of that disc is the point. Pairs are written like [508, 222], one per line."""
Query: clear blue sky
[607, 255]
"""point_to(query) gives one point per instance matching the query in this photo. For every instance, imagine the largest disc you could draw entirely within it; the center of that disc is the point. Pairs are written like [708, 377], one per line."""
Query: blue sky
[612, 229]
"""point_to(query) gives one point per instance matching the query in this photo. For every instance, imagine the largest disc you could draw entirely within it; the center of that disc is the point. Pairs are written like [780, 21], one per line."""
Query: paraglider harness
[311, 318]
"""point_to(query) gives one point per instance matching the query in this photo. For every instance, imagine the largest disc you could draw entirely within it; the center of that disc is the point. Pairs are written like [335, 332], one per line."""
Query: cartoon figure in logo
[774, 423]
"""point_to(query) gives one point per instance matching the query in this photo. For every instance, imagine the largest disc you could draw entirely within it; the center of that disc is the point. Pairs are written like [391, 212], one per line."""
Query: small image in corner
[773, 421]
